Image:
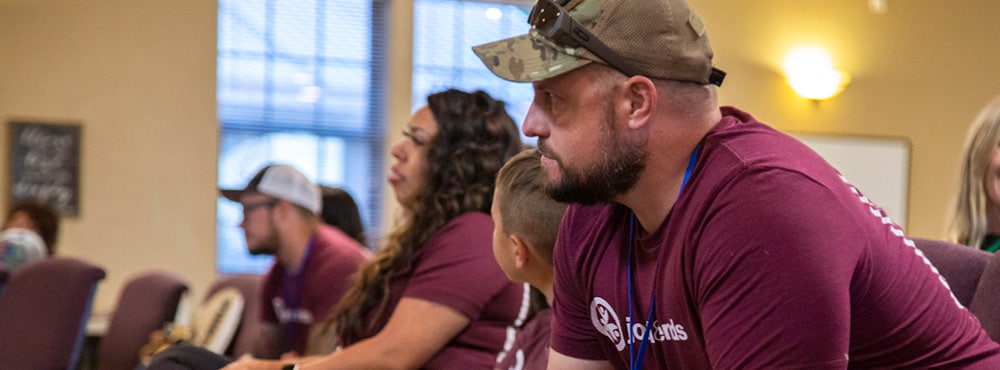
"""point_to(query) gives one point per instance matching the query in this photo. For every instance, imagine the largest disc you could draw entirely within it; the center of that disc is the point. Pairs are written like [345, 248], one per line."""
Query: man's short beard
[618, 172]
[265, 250]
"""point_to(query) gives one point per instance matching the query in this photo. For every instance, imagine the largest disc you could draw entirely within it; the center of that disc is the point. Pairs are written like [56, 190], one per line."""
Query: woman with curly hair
[432, 297]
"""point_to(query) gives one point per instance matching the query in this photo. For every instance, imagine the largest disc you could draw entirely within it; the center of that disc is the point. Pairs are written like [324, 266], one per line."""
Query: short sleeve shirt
[530, 350]
[768, 259]
[297, 301]
[456, 268]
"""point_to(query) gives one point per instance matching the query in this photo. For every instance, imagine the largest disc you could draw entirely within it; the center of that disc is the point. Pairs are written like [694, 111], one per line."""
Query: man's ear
[282, 209]
[521, 252]
[641, 95]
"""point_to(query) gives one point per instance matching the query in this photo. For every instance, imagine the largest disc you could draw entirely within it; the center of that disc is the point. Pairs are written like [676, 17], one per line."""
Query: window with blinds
[298, 83]
[444, 32]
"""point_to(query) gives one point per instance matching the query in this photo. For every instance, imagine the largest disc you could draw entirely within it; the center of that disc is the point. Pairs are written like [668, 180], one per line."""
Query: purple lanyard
[291, 292]
[635, 359]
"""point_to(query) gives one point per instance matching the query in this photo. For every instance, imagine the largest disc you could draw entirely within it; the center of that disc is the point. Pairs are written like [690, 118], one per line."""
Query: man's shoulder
[331, 241]
[586, 227]
[741, 143]
[579, 215]
[741, 133]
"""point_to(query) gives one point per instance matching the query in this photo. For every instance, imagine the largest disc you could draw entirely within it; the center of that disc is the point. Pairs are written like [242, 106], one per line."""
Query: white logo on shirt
[606, 321]
[287, 315]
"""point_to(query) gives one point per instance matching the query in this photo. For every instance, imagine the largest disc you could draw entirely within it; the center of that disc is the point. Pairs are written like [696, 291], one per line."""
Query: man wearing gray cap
[313, 261]
[702, 238]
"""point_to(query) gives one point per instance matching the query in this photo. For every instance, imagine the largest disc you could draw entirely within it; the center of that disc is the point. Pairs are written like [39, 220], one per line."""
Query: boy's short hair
[525, 207]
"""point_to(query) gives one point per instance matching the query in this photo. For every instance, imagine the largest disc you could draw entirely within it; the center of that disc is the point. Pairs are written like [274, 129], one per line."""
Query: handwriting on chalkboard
[45, 165]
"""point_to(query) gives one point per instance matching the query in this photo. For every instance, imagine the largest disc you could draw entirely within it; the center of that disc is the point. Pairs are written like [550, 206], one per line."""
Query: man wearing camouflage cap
[702, 238]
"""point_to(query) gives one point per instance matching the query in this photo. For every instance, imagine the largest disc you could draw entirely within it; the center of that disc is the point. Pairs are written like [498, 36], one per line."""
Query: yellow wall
[140, 76]
[922, 71]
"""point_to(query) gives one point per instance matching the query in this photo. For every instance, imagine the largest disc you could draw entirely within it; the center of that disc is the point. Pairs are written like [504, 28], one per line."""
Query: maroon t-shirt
[456, 268]
[530, 350]
[297, 301]
[768, 259]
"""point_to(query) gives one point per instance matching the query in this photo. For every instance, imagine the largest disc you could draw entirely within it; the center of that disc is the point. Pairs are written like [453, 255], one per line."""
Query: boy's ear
[521, 252]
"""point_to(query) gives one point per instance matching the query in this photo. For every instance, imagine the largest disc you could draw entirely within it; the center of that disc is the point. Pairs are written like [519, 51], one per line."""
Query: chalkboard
[878, 166]
[45, 165]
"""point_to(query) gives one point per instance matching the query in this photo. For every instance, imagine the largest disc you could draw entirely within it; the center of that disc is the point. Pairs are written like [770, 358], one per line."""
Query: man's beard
[266, 248]
[618, 172]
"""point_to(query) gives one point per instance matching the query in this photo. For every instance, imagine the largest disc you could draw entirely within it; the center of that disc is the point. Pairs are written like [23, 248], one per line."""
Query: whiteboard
[878, 166]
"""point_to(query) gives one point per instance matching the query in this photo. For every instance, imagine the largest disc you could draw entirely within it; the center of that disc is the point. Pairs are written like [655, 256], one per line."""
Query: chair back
[250, 286]
[44, 312]
[3, 280]
[960, 265]
[147, 301]
[986, 303]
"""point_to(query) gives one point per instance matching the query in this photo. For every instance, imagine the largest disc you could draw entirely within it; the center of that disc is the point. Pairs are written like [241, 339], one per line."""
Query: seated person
[525, 225]
[313, 262]
[433, 296]
[699, 237]
[29, 235]
[975, 218]
[19, 248]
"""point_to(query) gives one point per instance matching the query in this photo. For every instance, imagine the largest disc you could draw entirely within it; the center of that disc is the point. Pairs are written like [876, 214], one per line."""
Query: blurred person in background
[975, 218]
[313, 261]
[340, 210]
[28, 235]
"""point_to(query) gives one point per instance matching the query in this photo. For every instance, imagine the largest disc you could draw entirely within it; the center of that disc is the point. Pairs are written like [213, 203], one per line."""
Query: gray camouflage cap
[663, 39]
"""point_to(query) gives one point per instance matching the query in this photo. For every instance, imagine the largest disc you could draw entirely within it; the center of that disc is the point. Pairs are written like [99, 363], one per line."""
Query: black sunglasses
[554, 23]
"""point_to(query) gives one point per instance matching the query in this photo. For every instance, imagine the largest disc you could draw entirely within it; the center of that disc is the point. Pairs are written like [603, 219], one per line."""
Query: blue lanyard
[635, 359]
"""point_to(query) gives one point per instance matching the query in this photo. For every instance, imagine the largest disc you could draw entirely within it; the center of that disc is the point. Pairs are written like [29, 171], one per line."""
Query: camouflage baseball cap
[663, 39]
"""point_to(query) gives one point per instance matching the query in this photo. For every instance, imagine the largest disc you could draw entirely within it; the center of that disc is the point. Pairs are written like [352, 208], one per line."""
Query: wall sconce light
[811, 74]
[879, 7]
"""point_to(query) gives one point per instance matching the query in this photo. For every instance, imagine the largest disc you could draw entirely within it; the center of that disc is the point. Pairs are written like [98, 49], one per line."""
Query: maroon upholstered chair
[250, 286]
[986, 302]
[147, 301]
[960, 265]
[44, 311]
[3, 281]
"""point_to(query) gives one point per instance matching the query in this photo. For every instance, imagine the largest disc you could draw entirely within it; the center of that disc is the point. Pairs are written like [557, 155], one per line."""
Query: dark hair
[475, 136]
[340, 210]
[45, 219]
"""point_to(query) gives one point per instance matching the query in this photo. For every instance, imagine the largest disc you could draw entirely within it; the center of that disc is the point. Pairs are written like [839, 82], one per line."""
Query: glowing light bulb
[811, 74]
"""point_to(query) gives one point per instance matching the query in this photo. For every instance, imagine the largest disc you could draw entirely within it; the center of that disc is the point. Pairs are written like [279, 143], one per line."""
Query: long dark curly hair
[475, 137]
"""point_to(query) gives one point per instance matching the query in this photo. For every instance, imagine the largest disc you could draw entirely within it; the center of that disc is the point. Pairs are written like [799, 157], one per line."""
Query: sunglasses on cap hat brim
[553, 22]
